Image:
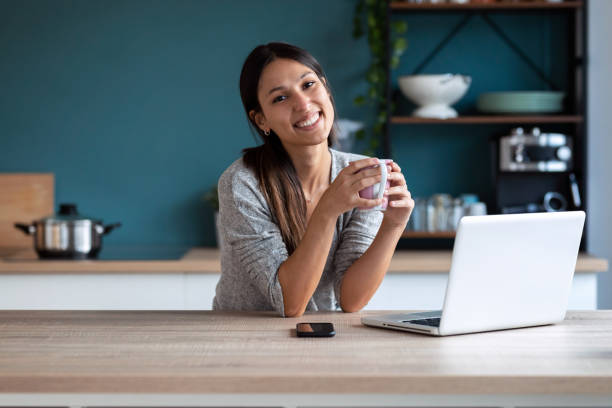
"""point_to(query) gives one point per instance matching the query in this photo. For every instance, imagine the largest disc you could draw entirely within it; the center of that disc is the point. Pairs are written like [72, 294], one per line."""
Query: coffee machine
[533, 172]
[535, 151]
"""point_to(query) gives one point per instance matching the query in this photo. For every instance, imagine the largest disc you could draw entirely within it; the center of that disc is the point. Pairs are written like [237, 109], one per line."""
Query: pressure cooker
[67, 234]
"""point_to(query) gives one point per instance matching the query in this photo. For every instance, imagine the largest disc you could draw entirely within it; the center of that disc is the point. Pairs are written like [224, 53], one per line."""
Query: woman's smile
[311, 121]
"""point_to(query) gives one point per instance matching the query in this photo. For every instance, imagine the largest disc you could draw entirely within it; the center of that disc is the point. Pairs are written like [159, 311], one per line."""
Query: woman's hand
[343, 194]
[400, 202]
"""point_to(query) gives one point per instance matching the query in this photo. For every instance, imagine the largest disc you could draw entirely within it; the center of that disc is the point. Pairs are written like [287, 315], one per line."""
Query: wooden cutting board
[24, 197]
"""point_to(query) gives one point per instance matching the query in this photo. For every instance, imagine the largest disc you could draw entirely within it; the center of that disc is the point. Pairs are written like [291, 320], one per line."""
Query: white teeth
[308, 122]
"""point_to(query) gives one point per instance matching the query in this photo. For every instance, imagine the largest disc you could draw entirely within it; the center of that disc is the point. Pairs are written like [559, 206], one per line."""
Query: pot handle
[110, 227]
[26, 228]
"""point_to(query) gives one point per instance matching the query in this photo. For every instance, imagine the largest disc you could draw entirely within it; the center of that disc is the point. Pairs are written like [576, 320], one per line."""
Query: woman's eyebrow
[278, 88]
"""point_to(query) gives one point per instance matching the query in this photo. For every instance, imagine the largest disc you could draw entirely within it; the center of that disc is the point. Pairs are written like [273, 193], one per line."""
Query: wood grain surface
[215, 352]
[24, 197]
[207, 260]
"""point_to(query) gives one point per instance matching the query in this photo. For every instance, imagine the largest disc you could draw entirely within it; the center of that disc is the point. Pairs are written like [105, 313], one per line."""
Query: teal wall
[134, 105]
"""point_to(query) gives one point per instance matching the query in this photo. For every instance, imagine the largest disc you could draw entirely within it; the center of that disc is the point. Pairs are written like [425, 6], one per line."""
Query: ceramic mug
[378, 189]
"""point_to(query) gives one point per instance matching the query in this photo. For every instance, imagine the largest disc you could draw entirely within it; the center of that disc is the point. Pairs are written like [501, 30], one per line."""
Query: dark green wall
[134, 105]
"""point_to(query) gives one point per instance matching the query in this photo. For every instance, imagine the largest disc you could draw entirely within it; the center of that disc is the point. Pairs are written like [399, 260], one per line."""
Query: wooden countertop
[206, 260]
[214, 352]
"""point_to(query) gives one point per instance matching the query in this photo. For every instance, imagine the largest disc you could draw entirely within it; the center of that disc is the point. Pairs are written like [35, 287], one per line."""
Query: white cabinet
[195, 291]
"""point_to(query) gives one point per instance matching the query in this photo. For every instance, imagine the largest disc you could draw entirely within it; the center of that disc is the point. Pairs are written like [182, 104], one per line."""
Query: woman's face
[295, 104]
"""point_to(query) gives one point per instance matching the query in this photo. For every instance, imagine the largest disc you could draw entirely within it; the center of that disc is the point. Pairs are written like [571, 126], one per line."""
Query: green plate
[521, 102]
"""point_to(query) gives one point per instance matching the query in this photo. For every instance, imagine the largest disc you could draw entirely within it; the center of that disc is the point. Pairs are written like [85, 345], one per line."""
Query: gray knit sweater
[252, 248]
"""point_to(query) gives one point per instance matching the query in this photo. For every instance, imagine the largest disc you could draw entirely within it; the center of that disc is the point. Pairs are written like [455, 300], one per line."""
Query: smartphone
[315, 330]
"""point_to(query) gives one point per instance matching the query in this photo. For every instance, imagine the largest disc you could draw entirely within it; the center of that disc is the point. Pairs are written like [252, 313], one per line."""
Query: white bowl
[434, 94]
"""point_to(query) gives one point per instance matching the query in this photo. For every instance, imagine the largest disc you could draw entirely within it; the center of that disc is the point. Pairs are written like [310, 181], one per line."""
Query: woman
[294, 238]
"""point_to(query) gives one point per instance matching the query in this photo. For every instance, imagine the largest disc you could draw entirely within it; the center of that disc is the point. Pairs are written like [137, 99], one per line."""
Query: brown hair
[270, 162]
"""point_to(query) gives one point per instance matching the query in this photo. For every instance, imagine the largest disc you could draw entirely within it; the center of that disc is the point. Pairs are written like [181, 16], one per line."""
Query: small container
[418, 218]
[478, 208]
[438, 207]
[431, 216]
[468, 199]
[455, 214]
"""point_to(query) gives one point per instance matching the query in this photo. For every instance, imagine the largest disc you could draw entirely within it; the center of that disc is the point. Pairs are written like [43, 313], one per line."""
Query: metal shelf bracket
[500, 33]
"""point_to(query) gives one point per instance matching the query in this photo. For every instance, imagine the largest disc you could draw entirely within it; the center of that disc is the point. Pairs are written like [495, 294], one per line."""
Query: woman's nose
[302, 101]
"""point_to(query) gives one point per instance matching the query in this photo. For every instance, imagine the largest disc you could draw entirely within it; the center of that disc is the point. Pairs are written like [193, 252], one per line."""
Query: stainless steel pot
[67, 235]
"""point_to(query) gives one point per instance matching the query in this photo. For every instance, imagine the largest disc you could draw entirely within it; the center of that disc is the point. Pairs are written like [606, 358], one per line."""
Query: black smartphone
[315, 330]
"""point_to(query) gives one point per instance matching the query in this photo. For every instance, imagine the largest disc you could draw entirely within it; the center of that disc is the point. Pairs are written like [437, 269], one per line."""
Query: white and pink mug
[377, 190]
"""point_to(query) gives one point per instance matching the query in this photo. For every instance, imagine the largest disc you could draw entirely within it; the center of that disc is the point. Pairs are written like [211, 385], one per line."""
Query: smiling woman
[295, 104]
[296, 234]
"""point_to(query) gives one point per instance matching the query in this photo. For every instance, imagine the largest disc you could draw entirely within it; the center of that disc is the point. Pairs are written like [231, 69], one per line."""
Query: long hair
[276, 174]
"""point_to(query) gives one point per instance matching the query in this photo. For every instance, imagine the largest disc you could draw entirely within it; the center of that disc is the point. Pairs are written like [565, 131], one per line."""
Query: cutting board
[24, 197]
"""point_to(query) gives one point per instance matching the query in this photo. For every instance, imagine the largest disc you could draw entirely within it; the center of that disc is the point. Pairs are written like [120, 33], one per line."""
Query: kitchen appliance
[434, 93]
[575, 191]
[552, 202]
[535, 151]
[67, 235]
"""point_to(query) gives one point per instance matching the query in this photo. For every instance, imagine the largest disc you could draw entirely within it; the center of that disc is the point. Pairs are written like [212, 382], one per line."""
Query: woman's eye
[279, 98]
[309, 84]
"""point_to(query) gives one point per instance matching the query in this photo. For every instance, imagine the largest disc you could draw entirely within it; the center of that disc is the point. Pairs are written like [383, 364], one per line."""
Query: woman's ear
[259, 119]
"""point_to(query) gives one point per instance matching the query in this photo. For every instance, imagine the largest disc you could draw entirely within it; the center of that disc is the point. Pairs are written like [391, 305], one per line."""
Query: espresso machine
[533, 171]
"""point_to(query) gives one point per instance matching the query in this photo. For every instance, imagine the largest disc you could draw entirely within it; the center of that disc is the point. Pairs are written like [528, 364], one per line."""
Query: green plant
[212, 198]
[375, 15]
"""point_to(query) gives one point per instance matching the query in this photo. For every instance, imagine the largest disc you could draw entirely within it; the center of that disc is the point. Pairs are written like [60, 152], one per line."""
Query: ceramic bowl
[434, 94]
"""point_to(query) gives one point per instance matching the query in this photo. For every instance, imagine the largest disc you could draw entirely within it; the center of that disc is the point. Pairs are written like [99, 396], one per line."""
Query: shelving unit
[573, 118]
[488, 120]
[504, 5]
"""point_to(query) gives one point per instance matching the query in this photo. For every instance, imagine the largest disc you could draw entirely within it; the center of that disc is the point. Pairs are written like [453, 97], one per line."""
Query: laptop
[507, 271]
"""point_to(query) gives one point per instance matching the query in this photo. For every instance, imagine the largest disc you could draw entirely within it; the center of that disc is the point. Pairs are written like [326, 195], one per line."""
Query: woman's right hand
[343, 194]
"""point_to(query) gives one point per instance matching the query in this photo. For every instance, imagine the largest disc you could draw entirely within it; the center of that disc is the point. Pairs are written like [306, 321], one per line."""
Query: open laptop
[507, 271]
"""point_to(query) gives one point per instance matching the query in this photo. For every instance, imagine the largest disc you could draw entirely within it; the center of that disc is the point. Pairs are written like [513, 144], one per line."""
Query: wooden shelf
[505, 5]
[425, 234]
[489, 119]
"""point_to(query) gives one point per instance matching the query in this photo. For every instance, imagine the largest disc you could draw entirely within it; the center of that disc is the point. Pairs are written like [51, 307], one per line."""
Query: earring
[267, 132]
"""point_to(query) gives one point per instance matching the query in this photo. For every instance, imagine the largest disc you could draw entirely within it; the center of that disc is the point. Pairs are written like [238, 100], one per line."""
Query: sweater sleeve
[249, 232]
[356, 237]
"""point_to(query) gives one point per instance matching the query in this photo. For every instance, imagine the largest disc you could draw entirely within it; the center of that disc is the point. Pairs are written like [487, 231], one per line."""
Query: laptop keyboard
[434, 321]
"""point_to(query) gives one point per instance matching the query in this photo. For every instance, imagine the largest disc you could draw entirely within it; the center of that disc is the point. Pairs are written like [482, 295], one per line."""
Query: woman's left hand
[400, 202]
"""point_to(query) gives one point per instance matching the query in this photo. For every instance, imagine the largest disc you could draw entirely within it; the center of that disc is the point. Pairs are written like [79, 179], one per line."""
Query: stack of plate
[521, 102]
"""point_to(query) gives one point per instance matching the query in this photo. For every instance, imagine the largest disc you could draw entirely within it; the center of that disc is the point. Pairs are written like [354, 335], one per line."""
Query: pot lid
[67, 212]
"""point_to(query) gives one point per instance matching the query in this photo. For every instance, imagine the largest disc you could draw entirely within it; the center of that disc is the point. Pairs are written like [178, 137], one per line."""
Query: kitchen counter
[166, 358]
[415, 280]
[206, 260]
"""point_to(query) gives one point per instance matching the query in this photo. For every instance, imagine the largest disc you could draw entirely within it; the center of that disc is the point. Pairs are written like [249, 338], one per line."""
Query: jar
[455, 214]
[438, 207]
[478, 208]
[418, 218]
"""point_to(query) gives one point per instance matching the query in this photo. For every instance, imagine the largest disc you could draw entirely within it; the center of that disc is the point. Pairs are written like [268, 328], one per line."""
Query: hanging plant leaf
[399, 46]
[373, 93]
[399, 27]
[359, 100]
[395, 61]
